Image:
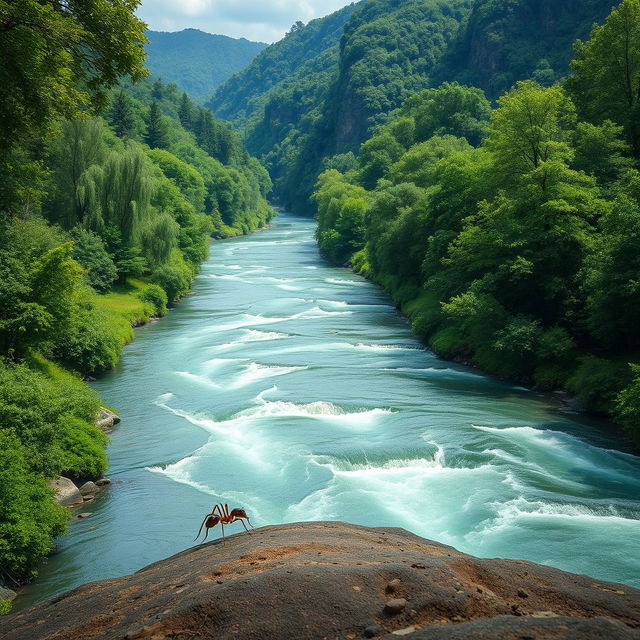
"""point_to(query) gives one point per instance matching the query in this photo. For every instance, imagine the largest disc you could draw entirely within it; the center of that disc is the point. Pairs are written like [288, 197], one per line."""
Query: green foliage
[121, 116]
[155, 295]
[627, 408]
[174, 277]
[198, 62]
[597, 383]
[519, 255]
[89, 251]
[58, 58]
[157, 133]
[449, 110]
[29, 519]
[327, 86]
[605, 83]
[42, 410]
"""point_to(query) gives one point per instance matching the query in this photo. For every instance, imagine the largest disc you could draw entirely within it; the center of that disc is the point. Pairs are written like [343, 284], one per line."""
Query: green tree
[58, 58]
[605, 81]
[79, 148]
[121, 116]
[185, 112]
[89, 251]
[156, 135]
[531, 127]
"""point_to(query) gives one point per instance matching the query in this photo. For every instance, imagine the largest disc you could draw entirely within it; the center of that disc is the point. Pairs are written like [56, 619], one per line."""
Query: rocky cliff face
[505, 41]
[334, 580]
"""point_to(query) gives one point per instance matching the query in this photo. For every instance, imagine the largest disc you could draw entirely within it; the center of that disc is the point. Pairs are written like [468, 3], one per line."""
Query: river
[297, 391]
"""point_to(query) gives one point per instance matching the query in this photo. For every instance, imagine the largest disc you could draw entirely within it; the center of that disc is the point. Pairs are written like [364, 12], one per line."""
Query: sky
[258, 20]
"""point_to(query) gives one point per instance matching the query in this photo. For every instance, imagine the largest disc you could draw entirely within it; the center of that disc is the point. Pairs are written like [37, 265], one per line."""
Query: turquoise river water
[296, 390]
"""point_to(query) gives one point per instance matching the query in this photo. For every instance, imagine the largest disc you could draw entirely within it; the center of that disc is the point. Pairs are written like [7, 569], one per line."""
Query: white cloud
[263, 20]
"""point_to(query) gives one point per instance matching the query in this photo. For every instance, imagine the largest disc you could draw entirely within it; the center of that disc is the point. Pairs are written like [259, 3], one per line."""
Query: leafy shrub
[83, 449]
[90, 252]
[155, 295]
[174, 277]
[597, 382]
[92, 341]
[29, 518]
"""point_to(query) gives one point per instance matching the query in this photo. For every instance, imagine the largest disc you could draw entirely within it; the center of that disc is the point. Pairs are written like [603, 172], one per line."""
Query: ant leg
[222, 525]
[202, 525]
[244, 525]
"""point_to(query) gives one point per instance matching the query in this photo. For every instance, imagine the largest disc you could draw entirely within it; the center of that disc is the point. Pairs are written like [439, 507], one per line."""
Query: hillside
[305, 52]
[196, 61]
[310, 99]
[335, 580]
[505, 41]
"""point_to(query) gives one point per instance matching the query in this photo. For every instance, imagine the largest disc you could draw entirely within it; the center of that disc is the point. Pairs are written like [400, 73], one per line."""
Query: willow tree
[80, 148]
[158, 238]
[57, 58]
[127, 189]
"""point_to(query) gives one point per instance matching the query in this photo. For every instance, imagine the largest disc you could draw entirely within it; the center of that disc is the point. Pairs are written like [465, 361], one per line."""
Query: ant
[221, 515]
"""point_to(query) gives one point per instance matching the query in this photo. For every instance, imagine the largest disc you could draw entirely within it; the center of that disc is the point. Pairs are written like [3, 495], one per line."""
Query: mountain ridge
[198, 61]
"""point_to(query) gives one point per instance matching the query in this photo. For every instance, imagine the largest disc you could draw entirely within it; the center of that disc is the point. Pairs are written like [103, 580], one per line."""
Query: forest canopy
[111, 186]
[509, 235]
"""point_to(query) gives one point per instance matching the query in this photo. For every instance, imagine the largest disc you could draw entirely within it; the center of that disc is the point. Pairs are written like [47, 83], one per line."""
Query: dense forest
[196, 61]
[509, 235]
[320, 91]
[108, 198]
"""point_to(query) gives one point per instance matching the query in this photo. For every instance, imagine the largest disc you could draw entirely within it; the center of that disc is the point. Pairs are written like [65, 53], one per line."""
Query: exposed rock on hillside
[335, 580]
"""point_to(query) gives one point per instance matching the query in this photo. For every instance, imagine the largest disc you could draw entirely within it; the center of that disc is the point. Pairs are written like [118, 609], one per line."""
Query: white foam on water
[417, 493]
[248, 320]
[317, 312]
[253, 335]
[318, 410]
[255, 372]
[279, 280]
[260, 398]
[218, 363]
[567, 452]
[353, 283]
[225, 276]
[381, 348]
[523, 512]
[202, 380]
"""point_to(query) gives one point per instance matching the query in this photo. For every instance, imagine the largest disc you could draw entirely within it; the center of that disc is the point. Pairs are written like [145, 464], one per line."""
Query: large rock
[89, 489]
[106, 420]
[333, 580]
[67, 493]
[7, 594]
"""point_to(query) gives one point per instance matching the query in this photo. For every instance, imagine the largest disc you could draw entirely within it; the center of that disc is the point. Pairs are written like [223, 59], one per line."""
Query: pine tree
[121, 117]
[157, 133]
[157, 89]
[185, 112]
[206, 133]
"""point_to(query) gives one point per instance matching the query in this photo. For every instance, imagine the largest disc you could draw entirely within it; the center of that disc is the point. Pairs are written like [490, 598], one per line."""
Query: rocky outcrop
[335, 580]
[67, 494]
